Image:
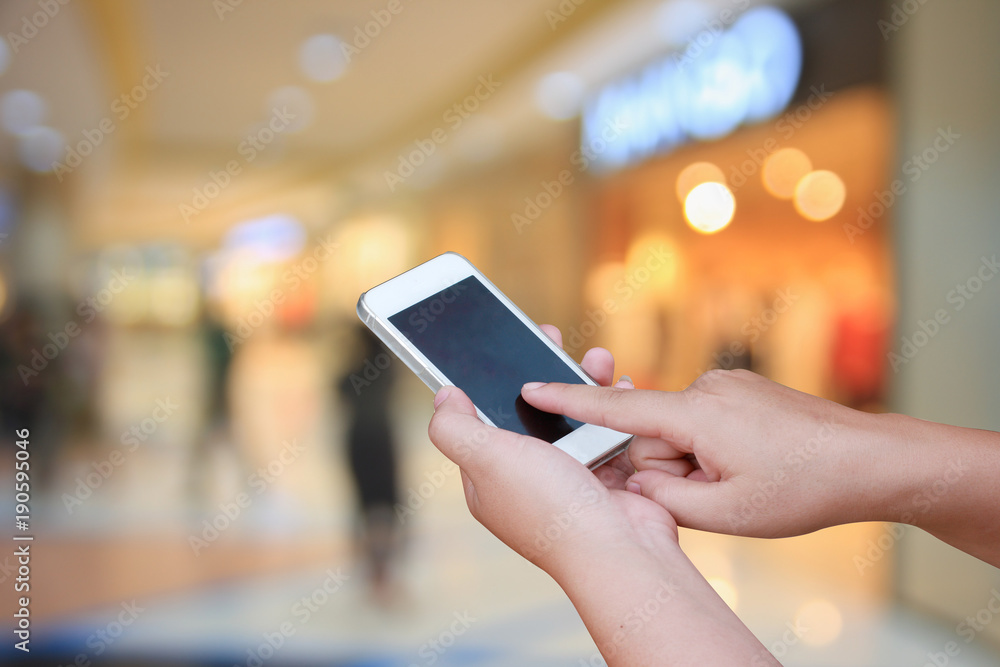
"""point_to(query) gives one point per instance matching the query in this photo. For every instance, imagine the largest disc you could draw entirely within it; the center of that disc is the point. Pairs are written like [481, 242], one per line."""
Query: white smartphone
[452, 326]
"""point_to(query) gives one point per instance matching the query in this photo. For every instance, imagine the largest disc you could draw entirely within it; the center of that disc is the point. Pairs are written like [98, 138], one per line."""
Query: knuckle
[440, 427]
[711, 378]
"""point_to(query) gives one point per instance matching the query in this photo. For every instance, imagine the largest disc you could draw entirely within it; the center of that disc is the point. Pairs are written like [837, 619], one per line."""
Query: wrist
[889, 464]
[915, 465]
[645, 603]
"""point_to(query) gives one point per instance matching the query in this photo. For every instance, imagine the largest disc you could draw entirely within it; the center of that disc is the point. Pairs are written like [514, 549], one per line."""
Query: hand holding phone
[452, 326]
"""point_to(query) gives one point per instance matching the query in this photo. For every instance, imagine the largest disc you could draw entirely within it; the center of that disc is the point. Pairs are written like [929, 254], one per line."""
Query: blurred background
[224, 471]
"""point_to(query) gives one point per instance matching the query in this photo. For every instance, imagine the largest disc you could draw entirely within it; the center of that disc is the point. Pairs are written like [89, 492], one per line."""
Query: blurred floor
[284, 572]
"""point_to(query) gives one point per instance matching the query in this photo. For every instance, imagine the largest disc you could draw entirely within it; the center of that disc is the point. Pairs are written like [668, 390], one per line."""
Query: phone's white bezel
[589, 444]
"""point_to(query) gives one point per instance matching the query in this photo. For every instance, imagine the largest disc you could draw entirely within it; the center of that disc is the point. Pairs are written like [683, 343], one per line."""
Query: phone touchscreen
[488, 352]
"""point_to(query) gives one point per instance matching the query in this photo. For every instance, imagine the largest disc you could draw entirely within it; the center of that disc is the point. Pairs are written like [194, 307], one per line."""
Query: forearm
[646, 608]
[947, 482]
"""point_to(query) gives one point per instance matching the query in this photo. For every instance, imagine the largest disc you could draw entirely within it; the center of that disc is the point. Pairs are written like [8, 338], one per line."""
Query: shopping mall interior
[193, 195]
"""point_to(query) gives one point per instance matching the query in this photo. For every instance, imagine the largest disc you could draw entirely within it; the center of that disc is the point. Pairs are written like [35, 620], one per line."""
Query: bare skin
[734, 453]
[739, 454]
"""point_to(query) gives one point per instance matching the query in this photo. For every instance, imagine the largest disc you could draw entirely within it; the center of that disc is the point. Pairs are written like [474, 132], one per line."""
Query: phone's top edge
[448, 252]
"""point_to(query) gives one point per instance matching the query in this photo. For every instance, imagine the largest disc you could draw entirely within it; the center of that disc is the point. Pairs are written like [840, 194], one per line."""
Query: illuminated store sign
[721, 80]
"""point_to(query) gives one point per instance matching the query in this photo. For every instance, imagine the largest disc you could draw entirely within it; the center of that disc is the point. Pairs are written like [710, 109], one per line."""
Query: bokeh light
[820, 195]
[40, 148]
[298, 103]
[657, 252]
[601, 281]
[322, 58]
[709, 207]
[783, 170]
[823, 619]
[694, 175]
[559, 95]
[21, 110]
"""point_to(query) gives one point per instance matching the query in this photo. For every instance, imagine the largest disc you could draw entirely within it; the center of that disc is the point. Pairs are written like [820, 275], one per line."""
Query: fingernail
[441, 396]
[633, 487]
[626, 378]
[531, 386]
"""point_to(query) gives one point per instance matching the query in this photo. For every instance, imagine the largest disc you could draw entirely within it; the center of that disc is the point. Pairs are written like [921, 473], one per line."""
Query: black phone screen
[488, 353]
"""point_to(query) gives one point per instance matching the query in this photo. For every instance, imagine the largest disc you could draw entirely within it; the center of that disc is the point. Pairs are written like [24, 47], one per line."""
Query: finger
[677, 467]
[671, 416]
[600, 365]
[694, 504]
[471, 499]
[612, 476]
[622, 462]
[645, 452]
[552, 332]
[458, 432]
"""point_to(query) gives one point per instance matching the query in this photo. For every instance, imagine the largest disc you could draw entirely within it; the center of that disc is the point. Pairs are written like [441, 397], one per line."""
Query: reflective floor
[130, 575]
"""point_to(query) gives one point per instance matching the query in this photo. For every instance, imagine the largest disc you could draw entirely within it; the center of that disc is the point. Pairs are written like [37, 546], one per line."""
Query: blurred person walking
[217, 438]
[366, 394]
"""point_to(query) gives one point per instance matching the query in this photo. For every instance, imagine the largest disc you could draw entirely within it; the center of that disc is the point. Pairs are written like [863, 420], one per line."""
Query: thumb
[460, 434]
[453, 399]
[693, 504]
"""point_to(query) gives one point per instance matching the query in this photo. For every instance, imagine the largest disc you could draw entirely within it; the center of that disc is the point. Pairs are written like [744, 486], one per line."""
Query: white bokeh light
[297, 101]
[559, 95]
[4, 55]
[322, 58]
[40, 148]
[21, 110]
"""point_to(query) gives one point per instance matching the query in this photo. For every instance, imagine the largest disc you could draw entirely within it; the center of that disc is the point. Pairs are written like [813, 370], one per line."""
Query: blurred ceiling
[222, 64]
[221, 61]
